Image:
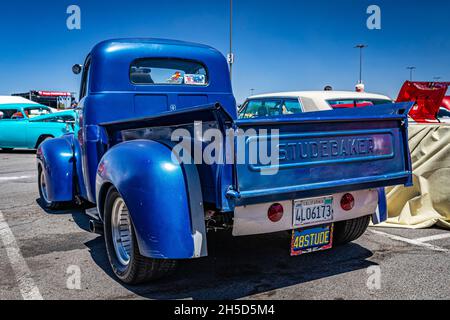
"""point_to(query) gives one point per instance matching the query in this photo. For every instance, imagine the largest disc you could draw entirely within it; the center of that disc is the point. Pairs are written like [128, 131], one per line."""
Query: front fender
[55, 158]
[163, 198]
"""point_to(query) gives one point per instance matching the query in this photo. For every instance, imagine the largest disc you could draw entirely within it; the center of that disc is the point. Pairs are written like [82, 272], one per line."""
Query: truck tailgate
[321, 153]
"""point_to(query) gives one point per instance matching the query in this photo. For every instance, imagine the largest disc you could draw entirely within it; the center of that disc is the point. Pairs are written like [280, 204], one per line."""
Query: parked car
[25, 124]
[444, 110]
[137, 94]
[282, 103]
[430, 103]
[428, 98]
[446, 103]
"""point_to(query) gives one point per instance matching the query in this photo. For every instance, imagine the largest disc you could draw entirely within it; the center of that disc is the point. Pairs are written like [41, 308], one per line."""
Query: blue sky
[279, 45]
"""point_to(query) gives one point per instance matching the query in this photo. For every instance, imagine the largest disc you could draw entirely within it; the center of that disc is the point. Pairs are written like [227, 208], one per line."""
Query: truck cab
[161, 154]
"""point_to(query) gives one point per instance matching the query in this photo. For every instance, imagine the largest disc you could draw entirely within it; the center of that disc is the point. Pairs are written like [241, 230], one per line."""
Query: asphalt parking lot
[41, 252]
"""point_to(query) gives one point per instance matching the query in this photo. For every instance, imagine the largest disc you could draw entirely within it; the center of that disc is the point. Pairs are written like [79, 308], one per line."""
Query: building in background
[53, 99]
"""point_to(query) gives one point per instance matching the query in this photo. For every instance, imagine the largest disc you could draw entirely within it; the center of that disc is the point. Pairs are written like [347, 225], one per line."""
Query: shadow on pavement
[236, 266]
[23, 151]
[78, 215]
[240, 266]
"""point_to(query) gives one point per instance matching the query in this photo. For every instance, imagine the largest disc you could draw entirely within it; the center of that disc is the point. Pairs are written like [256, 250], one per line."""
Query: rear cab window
[257, 108]
[168, 71]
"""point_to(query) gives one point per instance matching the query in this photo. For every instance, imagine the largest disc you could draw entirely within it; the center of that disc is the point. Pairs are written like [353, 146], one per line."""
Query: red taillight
[275, 212]
[347, 202]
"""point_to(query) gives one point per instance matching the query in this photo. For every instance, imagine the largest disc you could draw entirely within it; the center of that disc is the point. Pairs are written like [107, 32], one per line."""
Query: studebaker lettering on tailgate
[322, 149]
[300, 150]
[154, 211]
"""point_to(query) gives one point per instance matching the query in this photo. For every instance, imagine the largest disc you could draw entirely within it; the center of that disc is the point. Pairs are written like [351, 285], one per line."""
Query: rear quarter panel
[38, 128]
[13, 133]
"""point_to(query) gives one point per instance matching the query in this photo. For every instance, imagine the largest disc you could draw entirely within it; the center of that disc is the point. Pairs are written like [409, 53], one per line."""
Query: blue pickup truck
[160, 153]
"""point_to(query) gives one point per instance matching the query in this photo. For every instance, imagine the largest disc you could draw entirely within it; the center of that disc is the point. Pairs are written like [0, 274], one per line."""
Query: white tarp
[427, 203]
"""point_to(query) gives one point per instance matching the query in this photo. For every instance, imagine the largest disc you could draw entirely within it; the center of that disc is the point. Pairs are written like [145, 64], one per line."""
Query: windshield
[37, 111]
[257, 108]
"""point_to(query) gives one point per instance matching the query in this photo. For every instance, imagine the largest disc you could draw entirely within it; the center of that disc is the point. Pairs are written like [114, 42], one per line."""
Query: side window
[251, 109]
[356, 103]
[272, 107]
[85, 80]
[260, 108]
[11, 114]
[341, 103]
[291, 106]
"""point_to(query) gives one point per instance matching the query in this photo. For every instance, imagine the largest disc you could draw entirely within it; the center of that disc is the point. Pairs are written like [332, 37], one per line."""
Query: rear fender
[381, 214]
[163, 197]
[55, 158]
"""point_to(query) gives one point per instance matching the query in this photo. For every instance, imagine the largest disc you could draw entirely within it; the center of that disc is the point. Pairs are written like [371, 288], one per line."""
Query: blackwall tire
[123, 252]
[42, 185]
[350, 230]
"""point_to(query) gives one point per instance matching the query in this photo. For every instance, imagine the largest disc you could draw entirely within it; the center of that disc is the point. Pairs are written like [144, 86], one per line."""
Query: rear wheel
[43, 192]
[350, 230]
[122, 248]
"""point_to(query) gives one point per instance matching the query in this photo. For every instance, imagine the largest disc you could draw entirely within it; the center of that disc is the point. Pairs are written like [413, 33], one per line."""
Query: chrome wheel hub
[43, 184]
[121, 231]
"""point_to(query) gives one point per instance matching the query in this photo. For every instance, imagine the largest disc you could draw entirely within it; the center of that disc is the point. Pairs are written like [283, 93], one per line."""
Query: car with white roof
[25, 124]
[283, 103]
[274, 105]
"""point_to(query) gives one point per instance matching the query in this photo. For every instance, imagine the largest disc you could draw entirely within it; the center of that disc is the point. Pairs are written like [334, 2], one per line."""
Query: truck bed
[319, 152]
[330, 151]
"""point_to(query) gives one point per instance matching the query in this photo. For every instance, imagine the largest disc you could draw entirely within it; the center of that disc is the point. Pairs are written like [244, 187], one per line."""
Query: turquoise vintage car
[25, 124]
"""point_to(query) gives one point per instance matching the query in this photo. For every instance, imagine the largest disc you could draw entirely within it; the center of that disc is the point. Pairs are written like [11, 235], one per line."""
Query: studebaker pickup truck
[160, 152]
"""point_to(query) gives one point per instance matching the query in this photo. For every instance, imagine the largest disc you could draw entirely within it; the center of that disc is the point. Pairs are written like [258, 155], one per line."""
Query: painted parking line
[434, 238]
[415, 242]
[25, 282]
[3, 179]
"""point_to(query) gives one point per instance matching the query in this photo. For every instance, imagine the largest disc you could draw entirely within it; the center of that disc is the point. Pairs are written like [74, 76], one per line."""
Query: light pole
[411, 69]
[230, 57]
[360, 47]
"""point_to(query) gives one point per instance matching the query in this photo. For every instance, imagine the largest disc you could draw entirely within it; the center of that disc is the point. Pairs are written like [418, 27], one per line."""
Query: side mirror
[77, 68]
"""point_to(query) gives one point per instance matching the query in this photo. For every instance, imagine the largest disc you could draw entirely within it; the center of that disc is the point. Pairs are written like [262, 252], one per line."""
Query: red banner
[54, 94]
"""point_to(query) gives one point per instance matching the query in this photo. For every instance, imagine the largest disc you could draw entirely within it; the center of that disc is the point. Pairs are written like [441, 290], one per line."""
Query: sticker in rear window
[176, 78]
[195, 79]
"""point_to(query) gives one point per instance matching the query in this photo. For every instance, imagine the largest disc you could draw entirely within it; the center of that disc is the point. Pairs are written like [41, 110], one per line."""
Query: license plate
[311, 239]
[312, 211]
